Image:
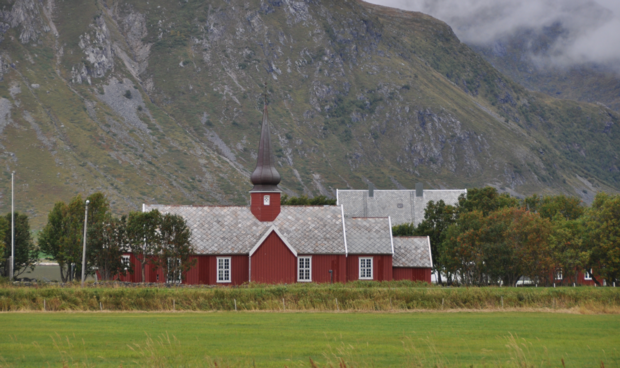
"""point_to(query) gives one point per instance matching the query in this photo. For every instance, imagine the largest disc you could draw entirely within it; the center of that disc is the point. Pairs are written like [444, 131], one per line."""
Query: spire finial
[265, 176]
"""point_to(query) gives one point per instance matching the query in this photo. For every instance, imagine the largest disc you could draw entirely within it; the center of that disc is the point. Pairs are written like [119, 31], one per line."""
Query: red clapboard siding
[381, 267]
[137, 269]
[192, 277]
[582, 279]
[239, 271]
[262, 212]
[203, 270]
[273, 262]
[413, 274]
[321, 264]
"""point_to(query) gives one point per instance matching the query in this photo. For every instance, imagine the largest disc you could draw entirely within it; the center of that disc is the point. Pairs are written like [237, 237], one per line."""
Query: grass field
[291, 339]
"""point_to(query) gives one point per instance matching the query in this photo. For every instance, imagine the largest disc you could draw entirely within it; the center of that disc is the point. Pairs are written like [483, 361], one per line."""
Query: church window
[266, 200]
[366, 268]
[174, 271]
[125, 261]
[223, 269]
[587, 275]
[558, 274]
[305, 269]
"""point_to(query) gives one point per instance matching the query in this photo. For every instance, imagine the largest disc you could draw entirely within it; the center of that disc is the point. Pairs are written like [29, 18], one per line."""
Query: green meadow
[270, 339]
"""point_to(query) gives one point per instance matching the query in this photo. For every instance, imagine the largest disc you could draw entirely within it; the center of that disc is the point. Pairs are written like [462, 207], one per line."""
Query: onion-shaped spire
[265, 176]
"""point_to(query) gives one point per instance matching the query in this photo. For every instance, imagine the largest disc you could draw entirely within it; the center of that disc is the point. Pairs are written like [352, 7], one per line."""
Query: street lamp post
[84, 247]
[12, 224]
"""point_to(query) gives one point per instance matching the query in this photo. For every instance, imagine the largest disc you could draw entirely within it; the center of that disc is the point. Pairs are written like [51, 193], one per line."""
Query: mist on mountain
[590, 29]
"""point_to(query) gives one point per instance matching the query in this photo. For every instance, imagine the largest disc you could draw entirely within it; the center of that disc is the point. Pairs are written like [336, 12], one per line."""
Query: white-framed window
[266, 200]
[365, 268]
[223, 269]
[558, 274]
[304, 269]
[125, 260]
[174, 271]
[587, 274]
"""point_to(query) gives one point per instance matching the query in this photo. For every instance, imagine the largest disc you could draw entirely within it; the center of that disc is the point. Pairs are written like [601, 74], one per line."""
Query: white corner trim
[344, 232]
[391, 236]
[428, 238]
[143, 207]
[337, 198]
[262, 239]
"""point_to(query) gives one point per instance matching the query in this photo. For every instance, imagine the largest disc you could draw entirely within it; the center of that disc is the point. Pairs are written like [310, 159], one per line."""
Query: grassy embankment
[292, 339]
[379, 296]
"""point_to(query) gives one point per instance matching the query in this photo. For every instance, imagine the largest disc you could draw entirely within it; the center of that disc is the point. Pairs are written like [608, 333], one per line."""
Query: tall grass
[378, 296]
[165, 351]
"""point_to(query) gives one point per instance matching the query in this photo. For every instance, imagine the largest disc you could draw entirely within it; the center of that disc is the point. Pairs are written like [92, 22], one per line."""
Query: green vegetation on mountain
[158, 101]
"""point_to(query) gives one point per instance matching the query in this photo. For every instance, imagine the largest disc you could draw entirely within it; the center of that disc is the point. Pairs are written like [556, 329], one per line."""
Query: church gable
[273, 261]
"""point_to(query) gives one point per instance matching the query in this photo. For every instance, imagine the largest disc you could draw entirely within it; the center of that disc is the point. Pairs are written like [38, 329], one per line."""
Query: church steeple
[265, 176]
[265, 196]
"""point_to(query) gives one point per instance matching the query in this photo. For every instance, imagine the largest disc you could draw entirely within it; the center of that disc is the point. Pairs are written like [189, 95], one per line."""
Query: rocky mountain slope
[160, 102]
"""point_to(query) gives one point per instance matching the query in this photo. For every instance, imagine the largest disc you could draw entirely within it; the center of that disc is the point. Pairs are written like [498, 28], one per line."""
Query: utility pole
[84, 247]
[12, 224]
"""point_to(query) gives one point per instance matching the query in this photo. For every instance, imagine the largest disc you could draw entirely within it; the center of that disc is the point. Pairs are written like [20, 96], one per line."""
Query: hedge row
[361, 297]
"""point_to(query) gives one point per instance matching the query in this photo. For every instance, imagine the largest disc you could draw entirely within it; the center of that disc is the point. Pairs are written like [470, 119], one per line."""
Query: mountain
[161, 102]
[523, 56]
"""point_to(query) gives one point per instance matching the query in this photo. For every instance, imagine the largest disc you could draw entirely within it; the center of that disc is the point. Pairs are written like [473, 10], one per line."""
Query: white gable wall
[402, 206]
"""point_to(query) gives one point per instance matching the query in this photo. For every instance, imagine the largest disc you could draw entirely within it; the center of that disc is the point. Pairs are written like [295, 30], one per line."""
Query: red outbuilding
[412, 258]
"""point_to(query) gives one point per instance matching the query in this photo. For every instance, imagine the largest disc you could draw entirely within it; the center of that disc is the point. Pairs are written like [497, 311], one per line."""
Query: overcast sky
[593, 25]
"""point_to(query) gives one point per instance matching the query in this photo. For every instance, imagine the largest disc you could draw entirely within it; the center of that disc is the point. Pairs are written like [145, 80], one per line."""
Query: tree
[529, 237]
[437, 218]
[501, 247]
[26, 252]
[570, 208]
[107, 241]
[462, 252]
[143, 237]
[321, 200]
[570, 250]
[175, 248]
[602, 226]
[53, 237]
[4, 228]
[404, 230]
[485, 200]
[62, 236]
[500, 257]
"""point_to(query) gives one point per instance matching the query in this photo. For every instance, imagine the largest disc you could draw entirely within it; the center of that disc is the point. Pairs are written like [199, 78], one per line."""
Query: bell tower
[265, 195]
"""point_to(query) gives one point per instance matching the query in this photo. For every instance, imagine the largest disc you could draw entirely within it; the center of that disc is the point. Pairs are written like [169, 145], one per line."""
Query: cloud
[590, 28]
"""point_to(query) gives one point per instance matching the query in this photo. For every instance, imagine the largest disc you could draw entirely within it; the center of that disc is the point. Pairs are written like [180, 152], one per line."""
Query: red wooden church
[269, 243]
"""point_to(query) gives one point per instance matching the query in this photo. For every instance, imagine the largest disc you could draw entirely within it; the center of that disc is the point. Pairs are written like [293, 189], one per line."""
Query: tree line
[154, 239]
[490, 238]
[26, 252]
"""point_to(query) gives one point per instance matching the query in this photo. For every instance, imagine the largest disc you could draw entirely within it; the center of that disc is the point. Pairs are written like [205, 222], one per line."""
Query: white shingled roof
[369, 235]
[412, 251]
[235, 230]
